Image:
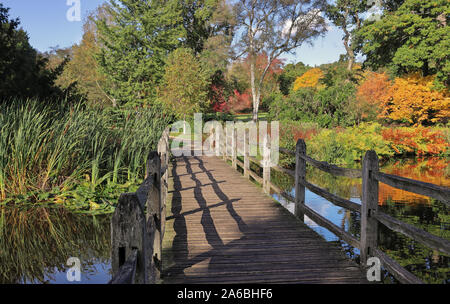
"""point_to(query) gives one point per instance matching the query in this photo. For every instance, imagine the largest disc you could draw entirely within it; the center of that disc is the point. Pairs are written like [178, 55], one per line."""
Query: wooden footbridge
[196, 219]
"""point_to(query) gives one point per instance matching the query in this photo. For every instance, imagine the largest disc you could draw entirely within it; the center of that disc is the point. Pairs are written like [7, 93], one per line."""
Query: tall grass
[43, 146]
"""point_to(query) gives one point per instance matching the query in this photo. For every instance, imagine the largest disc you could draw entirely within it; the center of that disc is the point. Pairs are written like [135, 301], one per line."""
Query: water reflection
[35, 243]
[422, 212]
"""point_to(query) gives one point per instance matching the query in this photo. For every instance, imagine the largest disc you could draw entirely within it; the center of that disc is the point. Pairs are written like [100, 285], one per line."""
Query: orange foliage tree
[309, 79]
[412, 99]
[370, 93]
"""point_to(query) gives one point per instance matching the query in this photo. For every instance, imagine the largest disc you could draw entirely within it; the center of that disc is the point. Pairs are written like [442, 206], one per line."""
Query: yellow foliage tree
[309, 79]
[412, 99]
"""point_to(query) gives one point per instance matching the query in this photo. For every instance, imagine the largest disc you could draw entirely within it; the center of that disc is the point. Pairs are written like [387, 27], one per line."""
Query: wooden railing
[370, 215]
[138, 223]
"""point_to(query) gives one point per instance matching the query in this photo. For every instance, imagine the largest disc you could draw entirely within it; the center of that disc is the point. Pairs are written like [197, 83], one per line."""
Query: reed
[43, 147]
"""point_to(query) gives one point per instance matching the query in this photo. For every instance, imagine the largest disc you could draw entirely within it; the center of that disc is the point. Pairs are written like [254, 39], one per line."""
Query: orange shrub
[418, 140]
[412, 99]
[370, 94]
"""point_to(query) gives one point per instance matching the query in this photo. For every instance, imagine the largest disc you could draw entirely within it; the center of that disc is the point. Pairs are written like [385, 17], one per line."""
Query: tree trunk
[255, 111]
[349, 49]
[255, 90]
[351, 61]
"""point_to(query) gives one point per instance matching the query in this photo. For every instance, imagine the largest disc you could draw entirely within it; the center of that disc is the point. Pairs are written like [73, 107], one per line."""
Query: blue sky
[47, 26]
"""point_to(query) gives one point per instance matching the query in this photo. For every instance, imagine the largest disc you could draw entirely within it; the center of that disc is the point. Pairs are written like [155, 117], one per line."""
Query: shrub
[330, 106]
[419, 141]
[348, 145]
[412, 100]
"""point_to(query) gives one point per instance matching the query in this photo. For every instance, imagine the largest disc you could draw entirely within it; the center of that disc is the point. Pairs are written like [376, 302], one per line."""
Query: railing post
[154, 208]
[129, 232]
[247, 153]
[300, 177]
[163, 151]
[234, 147]
[266, 165]
[369, 206]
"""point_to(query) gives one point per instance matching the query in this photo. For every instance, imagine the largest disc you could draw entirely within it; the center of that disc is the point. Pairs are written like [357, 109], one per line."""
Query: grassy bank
[72, 155]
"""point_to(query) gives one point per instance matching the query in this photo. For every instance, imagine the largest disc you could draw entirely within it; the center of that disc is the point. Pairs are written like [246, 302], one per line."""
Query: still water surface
[35, 243]
[422, 212]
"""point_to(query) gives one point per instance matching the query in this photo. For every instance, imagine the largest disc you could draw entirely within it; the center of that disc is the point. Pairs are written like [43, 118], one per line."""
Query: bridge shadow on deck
[227, 231]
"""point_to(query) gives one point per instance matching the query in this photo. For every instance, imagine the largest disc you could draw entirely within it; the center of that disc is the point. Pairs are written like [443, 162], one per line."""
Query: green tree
[23, 70]
[136, 42]
[414, 37]
[203, 19]
[185, 84]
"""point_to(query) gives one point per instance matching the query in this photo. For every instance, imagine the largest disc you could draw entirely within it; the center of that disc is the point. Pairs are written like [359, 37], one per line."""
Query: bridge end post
[369, 206]
[128, 237]
[300, 177]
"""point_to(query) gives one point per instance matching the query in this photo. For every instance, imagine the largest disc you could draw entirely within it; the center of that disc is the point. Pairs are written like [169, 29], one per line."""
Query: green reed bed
[80, 157]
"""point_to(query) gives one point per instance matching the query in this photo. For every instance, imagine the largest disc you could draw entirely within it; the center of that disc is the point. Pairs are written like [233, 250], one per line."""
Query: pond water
[35, 242]
[425, 213]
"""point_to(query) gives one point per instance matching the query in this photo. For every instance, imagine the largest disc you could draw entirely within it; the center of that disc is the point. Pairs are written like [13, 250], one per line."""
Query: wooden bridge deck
[221, 228]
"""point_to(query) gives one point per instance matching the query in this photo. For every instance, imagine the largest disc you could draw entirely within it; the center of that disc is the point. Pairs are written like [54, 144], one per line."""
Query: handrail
[138, 223]
[332, 169]
[426, 238]
[370, 216]
[338, 201]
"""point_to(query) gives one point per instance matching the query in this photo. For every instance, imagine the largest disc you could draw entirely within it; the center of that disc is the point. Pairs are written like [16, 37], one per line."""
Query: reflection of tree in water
[36, 242]
[427, 264]
[424, 213]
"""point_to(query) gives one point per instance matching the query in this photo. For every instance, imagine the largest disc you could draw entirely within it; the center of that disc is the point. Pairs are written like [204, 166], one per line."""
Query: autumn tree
[185, 85]
[412, 100]
[240, 72]
[370, 94]
[274, 27]
[83, 70]
[310, 79]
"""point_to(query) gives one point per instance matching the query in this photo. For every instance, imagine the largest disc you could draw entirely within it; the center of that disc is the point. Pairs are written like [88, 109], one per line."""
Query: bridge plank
[221, 228]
